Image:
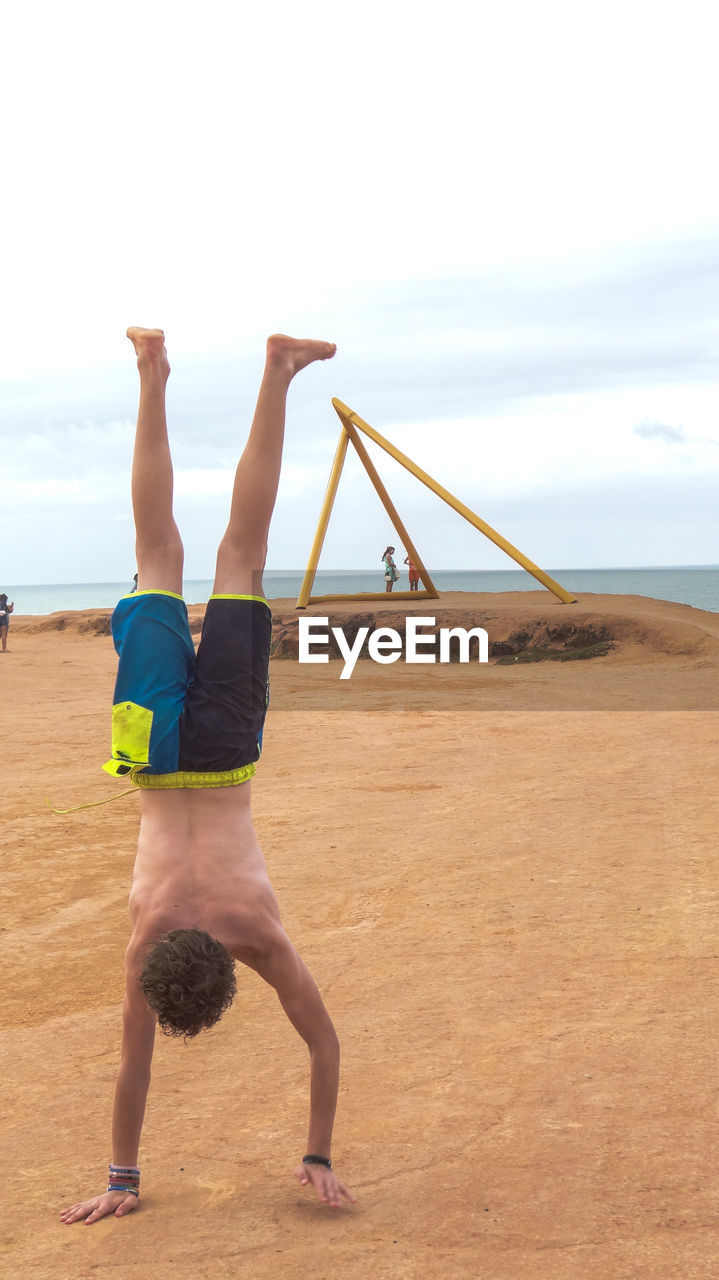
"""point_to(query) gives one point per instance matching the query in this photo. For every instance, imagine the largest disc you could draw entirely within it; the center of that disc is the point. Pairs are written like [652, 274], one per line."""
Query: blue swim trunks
[181, 719]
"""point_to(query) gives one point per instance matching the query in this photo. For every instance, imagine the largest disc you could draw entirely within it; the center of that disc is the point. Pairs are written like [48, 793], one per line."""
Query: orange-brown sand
[512, 915]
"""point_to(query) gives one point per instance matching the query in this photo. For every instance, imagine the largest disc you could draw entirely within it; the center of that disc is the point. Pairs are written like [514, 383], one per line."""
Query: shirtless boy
[188, 731]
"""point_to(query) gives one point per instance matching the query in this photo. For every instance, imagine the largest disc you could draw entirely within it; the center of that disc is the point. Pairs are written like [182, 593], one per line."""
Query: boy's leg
[158, 544]
[242, 551]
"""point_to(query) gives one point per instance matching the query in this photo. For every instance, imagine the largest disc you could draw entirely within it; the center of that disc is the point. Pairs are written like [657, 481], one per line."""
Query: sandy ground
[512, 915]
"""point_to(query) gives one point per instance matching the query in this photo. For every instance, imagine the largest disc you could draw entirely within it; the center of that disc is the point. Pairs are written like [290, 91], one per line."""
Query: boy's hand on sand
[325, 1182]
[117, 1202]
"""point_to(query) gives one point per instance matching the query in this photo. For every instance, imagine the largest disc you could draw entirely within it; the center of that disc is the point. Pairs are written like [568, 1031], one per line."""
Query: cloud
[660, 431]
[434, 347]
[498, 383]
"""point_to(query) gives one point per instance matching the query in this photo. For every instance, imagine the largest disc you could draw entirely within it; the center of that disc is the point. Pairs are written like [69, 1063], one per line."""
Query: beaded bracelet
[124, 1177]
[317, 1160]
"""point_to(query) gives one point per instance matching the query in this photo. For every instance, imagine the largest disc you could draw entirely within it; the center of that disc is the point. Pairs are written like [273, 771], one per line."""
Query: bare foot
[293, 354]
[149, 346]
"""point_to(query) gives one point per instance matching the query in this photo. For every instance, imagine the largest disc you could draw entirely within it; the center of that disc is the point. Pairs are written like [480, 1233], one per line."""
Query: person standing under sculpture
[391, 573]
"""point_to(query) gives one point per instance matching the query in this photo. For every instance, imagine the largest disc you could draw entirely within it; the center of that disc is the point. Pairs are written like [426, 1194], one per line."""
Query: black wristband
[317, 1160]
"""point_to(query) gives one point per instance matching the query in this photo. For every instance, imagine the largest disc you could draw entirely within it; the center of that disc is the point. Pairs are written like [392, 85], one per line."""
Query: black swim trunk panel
[221, 725]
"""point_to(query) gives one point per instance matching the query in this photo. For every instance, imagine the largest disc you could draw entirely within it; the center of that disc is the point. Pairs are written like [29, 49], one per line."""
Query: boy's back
[199, 865]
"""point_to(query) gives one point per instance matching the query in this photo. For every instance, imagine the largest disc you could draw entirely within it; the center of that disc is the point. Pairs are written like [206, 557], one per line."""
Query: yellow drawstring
[95, 803]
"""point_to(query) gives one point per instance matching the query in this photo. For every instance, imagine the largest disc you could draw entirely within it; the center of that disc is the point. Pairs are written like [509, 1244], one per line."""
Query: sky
[506, 217]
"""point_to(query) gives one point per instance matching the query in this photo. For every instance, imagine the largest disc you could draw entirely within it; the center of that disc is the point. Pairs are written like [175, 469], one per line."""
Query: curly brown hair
[188, 979]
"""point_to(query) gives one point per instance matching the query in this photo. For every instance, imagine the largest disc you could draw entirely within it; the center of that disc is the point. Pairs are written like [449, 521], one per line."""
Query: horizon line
[269, 573]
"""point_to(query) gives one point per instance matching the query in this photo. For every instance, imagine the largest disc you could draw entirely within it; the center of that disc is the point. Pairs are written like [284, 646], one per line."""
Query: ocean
[696, 585]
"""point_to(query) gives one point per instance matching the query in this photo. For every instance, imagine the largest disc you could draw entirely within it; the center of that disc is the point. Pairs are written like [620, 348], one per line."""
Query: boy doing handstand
[187, 730]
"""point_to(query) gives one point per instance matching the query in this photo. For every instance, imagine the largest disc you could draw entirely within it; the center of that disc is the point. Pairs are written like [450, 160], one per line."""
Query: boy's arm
[133, 1082]
[281, 966]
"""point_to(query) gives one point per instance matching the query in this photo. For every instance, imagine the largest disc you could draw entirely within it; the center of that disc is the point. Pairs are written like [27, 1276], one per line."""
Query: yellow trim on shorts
[224, 596]
[152, 591]
[225, 778]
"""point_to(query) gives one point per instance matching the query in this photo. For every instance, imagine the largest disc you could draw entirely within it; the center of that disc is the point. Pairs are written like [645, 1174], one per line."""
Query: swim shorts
[181, 719]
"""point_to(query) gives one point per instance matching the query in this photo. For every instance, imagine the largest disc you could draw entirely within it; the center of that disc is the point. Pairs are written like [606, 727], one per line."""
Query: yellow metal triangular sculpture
[351, 422]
